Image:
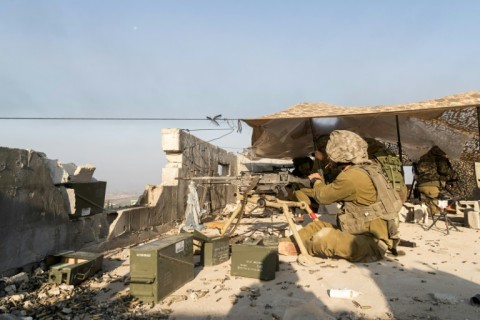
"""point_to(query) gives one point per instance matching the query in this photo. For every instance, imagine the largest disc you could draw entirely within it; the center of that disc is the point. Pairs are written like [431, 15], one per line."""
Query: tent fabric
[449, 122]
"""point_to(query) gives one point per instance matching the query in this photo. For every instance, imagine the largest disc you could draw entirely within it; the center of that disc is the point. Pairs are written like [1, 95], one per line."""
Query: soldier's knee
[322, 234]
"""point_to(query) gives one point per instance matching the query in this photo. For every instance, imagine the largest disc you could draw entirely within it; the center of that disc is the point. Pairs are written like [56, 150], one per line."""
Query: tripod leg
[434, 221]
[451, 224]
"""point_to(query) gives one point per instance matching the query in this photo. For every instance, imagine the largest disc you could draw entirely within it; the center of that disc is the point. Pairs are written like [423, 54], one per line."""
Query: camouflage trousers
[429, 195]
[322, 239]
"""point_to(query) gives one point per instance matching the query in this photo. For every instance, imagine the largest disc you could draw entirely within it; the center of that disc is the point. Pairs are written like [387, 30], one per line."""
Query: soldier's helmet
[347, 147]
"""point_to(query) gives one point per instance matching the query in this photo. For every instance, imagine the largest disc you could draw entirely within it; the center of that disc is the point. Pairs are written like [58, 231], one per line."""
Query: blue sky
[190, 59]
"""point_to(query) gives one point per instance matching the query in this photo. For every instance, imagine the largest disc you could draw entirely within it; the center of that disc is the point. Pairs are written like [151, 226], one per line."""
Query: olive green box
[214, 250]
[73, 267]
[253, 259]
[160, 267]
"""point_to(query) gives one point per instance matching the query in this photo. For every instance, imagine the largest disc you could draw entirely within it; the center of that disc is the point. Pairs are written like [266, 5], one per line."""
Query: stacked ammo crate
[160, 267]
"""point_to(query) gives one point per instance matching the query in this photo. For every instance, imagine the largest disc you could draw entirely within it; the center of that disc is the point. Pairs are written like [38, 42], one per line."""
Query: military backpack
[392, 170]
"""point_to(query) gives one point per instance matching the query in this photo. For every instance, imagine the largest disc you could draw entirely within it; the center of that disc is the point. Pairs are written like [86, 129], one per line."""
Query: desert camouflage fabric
[449, 122]
[346, 146]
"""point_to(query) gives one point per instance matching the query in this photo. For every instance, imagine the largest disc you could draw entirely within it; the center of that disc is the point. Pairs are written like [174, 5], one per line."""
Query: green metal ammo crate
[254, 259]
[214, 250]
[72, 267]
[160, 267]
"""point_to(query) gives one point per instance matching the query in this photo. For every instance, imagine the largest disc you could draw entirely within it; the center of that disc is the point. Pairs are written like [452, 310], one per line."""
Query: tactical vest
[386, 207]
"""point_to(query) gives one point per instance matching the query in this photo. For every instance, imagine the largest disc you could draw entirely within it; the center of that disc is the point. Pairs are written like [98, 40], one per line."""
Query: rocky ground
[434, 280]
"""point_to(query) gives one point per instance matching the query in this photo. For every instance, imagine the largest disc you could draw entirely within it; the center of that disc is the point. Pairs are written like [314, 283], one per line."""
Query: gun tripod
[284, 206]
[442, 216]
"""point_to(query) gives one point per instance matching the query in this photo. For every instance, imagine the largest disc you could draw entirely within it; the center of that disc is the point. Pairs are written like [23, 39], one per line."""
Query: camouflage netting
[450, 122]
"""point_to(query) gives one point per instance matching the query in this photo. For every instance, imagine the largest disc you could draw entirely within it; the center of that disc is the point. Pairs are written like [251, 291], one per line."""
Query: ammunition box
[272, 242]
[160, 267]
[73, 267]
[214, 250]
[255, 259]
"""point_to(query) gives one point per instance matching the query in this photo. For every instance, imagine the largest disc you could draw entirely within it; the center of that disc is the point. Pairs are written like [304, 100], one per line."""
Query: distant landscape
[115, 200]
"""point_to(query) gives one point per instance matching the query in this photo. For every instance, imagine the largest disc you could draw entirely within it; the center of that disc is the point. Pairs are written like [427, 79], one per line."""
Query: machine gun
[271, 183]
[266, 189]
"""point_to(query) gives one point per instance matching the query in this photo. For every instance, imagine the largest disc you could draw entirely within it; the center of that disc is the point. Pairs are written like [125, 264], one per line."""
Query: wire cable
[112, 119]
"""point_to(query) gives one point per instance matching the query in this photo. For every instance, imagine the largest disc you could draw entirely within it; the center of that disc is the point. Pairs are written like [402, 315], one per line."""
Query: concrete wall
[189, 157]
[34, 213]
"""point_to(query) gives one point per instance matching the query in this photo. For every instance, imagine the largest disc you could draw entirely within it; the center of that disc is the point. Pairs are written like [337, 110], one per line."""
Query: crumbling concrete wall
[34, 212]
[187, 157]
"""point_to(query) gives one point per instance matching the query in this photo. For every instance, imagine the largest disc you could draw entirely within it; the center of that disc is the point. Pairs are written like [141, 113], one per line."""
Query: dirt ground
[434, 280]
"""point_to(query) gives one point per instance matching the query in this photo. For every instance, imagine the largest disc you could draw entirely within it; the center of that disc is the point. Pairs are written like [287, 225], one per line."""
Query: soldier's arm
[339, 190]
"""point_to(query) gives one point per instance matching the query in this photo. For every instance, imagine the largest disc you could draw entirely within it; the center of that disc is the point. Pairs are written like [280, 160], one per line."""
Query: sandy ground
[434, 280]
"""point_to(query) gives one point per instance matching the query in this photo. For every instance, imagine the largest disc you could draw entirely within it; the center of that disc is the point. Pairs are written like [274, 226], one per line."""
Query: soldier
[366, 227]
[434, 173]
[322, 165]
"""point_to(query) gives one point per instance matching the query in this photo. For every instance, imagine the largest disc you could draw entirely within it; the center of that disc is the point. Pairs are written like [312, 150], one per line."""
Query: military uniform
[433, 170]
[354, 186]
[327, 169]
[365, 230]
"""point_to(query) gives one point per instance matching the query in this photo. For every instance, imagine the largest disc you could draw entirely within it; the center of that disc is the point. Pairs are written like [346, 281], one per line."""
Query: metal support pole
[478, 124]
[399, 143]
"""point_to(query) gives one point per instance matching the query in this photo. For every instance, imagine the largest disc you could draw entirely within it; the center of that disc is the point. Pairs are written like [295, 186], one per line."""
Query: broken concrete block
[414, 213]
[83, 173]
[57, 171]
[170, 175]
[472, 219]
[19, 278]
[171, 140]
[463, 205]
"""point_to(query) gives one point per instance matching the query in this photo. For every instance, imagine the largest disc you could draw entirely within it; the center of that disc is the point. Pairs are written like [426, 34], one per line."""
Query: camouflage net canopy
[450, 122]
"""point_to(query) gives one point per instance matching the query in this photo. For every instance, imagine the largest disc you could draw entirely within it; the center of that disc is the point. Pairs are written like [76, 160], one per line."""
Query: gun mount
[266, 189]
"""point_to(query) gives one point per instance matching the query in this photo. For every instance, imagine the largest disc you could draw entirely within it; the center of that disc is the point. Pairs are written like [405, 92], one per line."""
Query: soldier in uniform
[434, 173]
[366, 227]
[322, 165]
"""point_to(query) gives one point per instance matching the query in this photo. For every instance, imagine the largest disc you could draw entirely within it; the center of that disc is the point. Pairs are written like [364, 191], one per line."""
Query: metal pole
[399, 143]
[313, 135]
[478, 124]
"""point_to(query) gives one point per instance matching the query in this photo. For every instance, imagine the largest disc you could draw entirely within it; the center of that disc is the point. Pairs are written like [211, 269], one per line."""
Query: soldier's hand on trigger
[314, 177]
[318, 155]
